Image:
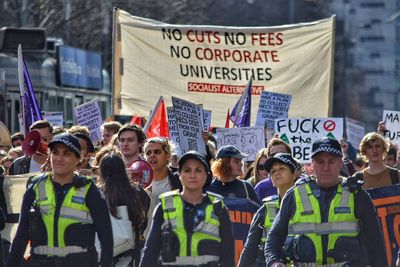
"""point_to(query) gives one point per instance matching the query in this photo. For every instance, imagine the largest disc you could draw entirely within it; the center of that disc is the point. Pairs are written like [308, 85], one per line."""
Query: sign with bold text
[300, 133]
[212, 64]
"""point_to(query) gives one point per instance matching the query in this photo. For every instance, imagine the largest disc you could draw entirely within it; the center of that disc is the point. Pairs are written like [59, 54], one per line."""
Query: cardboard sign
[387, 204]
[190, 127]
[206, 120]
[300, 133]
[212, 64]
[173, 130]
[89, 115]
[272, 106]
[248, 140]
[355, 131]
[392, 123]
[241, 213]
[55, 118]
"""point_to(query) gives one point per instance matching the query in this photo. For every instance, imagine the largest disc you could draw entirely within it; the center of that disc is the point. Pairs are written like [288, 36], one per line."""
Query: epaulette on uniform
[270, 198]
[36, 179]
[214, 194]
[170, 193]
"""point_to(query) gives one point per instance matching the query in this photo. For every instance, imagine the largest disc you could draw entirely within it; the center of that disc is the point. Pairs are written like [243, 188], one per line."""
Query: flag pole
[153, 112]
[21, 86]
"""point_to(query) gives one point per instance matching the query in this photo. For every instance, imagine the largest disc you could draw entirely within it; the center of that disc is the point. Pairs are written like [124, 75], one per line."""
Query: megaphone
[33, 143]
[5, 136]
[141, 172]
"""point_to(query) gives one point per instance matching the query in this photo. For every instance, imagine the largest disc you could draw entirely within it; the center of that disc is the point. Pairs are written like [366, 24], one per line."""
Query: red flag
[227, 120]
[137, 120]
[157, 125]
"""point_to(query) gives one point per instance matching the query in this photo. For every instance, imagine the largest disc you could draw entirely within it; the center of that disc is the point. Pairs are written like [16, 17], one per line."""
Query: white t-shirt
[34, 166]
[159, 187]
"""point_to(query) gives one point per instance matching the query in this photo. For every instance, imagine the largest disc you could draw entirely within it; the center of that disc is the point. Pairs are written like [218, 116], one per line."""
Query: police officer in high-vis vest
[190, 228]
[332, 220]
[60, 214]
[284, 172]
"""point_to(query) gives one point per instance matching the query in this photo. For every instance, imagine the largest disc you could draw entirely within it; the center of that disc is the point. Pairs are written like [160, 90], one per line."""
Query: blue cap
[68, 140]
[230, 151]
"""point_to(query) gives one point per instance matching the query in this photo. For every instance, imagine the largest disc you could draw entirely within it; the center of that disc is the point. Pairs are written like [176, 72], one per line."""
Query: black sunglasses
[261, 167]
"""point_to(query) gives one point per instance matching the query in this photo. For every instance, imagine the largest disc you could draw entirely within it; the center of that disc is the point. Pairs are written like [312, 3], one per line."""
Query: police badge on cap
[328, 145]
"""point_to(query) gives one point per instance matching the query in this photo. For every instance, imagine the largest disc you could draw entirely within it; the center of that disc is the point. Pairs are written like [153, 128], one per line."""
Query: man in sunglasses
[28, 164]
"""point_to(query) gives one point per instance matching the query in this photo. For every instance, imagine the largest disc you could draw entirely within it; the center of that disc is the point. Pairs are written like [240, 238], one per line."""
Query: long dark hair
[119, 190]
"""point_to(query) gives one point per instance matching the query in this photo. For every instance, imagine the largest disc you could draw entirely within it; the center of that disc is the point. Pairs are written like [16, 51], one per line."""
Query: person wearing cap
[61, 213]
[284, 172]
[333, 222]
[191, 227]
[226, 168]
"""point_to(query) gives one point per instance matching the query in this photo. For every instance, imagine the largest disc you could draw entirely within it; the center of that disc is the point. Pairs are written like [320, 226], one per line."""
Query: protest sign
[55, 118]
[212, 64]
[248, 140]
[206, 120]
[387, 204]
[392, 123]
[300, 133]
[14, 187]
[241, 213]
[89, 115]
[272, 106]
[173, 130]
[355, 131]
[189, 122]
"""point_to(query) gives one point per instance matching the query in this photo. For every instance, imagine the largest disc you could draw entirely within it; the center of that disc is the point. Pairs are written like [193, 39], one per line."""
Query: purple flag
[29, 106]
[241, 112]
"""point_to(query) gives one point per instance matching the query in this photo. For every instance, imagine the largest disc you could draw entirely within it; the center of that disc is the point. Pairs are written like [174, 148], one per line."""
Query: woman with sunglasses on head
[284, 172]
[190, 228]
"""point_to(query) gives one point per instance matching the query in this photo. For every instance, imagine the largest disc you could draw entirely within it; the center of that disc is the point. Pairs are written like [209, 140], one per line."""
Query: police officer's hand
[278, 264]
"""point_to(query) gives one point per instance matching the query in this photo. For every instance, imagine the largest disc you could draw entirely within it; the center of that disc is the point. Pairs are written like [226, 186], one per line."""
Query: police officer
[60, 214]
[190, 228]
[284, 172]
[333, 222]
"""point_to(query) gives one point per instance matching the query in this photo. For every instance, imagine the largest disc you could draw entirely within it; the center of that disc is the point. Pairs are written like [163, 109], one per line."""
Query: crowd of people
[179, 209]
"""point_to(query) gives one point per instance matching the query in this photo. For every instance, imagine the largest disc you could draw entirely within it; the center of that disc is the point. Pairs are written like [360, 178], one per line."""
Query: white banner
[355, 131]
[302, 132]
[272, 106]
[392, 123]
[211, 65]
[248, 140]
[190, 127]
[89, 115]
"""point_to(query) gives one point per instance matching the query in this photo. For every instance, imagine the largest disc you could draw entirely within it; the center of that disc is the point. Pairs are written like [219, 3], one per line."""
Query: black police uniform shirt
[193, 215]
[364, 211]
[234, 189]
[97, 206]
